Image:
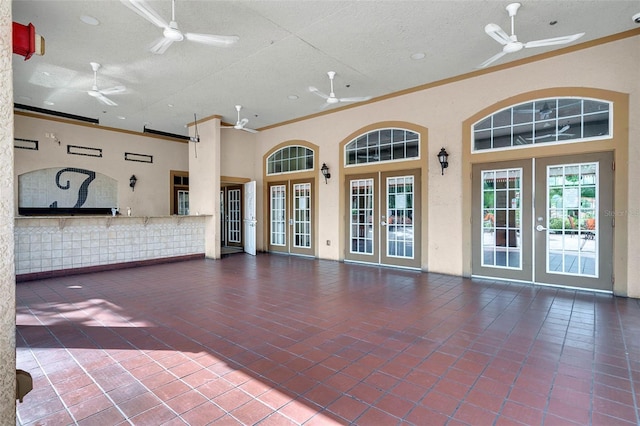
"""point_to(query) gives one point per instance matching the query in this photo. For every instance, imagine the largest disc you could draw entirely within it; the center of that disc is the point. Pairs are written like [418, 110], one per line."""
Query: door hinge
[613, 279]
[613, 165]
[613, 222]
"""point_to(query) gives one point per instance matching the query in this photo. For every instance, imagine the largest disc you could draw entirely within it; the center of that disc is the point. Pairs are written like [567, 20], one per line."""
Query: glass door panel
[362, 214]
[363, 220]
[302, 215]
[302, 223]
[401, 243]
[574, 240]
[501, 220]
[400, 209]
[234, 218]
[223, 219]
[183, 202]
[278, 217]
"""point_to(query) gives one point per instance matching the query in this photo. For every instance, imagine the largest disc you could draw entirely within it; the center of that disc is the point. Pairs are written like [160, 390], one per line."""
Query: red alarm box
[26, 42]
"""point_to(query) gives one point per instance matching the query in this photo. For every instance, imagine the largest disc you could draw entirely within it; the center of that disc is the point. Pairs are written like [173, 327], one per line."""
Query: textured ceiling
[284, 47]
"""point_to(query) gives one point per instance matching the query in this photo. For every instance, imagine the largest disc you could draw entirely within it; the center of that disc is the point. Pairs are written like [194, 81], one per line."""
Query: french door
[291, 217]
[383, 225]
[231, 216]
[545, 220]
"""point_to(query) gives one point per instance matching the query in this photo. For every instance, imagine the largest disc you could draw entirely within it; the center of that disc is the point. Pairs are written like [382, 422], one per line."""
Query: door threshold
[560, 286]
[383, 265]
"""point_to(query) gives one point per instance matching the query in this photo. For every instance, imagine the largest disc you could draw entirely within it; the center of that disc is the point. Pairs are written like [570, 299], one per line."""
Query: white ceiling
[284, 47]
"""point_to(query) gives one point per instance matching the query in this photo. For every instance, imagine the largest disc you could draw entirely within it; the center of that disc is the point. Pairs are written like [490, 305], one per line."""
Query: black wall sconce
[132, 182]
[443, 158]
[325, 172]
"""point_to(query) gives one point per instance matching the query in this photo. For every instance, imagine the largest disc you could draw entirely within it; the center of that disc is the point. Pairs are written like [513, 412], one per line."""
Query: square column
[204, 181]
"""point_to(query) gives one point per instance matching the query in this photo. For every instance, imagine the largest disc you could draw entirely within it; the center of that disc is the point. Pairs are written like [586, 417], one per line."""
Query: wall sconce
[325, 172]
[132, 182]
[443, 158]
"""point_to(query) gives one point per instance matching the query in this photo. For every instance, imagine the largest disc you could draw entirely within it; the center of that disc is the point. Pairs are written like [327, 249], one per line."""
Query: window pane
[383, 145]
[290, 159]
[543, 121]
[501, 225]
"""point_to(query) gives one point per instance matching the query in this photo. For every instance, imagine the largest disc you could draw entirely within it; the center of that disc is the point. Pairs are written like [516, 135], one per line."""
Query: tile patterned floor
[277, 340]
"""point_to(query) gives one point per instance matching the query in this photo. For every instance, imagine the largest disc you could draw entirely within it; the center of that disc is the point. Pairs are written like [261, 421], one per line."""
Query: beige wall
[237, 149]
[152, 192]
[442, 110]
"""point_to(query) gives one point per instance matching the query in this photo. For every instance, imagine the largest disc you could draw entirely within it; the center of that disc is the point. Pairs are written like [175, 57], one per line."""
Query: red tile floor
[277, 340]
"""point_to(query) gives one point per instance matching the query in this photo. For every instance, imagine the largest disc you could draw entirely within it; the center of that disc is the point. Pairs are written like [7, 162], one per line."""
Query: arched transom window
[544, 121]
[294, 158]
[382, 145]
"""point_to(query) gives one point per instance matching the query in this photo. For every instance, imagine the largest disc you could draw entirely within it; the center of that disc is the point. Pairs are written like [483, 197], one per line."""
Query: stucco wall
[7, 270]
[442, 110]
[152, 191]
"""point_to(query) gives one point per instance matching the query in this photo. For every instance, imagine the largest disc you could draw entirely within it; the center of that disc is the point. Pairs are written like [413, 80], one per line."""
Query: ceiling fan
[240, 123]
[101, 95]
[510, 43]
[171, 32]
[331, 97]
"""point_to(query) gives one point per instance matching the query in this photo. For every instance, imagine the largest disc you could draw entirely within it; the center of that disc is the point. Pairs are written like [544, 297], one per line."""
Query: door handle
[540, 228]
[383, 223]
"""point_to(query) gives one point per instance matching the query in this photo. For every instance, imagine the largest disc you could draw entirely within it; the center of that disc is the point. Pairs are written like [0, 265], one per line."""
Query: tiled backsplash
[45, 244]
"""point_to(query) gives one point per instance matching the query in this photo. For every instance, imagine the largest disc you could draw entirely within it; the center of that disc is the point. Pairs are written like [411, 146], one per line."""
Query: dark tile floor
[277, 340]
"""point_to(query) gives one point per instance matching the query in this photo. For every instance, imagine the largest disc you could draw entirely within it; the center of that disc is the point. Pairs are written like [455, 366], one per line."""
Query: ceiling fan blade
[160, 46]
[495, 32]
[143, 9]
[246, 129]
[212, 40]
[553, 41]
[106, 100]
[317, 92]
[113, 90]
[492, 59]
[355, 99]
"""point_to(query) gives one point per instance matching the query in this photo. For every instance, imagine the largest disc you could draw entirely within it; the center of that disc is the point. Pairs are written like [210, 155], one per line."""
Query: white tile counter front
[57, 243]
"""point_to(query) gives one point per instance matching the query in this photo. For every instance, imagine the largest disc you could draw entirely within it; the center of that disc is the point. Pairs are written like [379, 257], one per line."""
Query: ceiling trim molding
[97, 126]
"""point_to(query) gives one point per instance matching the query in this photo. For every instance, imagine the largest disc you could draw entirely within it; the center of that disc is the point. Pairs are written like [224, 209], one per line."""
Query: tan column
[204, 181]
[7, 213]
